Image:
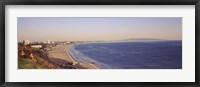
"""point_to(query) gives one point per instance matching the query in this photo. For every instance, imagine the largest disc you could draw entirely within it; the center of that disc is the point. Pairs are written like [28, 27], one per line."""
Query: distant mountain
[133, 39]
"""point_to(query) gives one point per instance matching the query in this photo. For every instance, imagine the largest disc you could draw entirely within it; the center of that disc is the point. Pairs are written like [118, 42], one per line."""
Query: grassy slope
[28, 64]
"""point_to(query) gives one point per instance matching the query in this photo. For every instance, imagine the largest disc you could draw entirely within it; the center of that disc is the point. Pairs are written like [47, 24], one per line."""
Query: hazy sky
[92, 29]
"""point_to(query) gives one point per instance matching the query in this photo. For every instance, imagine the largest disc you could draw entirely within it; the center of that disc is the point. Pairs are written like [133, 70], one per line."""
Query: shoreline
[62, 52]
[82, 64]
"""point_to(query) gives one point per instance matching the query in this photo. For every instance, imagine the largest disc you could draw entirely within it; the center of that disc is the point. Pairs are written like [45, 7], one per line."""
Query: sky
[98, 29]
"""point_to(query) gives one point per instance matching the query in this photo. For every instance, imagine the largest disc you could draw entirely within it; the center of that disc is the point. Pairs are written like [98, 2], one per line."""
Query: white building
[26, 42]
[48, 41]
[36, 46]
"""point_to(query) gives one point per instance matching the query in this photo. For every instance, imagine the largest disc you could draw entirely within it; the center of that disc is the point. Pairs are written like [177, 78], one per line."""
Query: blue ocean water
[131, 55]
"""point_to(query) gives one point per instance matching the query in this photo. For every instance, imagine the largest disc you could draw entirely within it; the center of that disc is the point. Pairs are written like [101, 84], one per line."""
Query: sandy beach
[61, 52]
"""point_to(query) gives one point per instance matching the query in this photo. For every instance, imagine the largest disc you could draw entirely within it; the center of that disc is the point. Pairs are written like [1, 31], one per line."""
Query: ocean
[131, 55]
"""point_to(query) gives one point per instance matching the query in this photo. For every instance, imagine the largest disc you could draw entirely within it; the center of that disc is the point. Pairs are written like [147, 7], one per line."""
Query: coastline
[61, 52]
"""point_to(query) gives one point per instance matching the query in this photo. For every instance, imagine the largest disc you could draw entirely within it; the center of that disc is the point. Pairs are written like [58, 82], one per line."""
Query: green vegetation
[25, 63]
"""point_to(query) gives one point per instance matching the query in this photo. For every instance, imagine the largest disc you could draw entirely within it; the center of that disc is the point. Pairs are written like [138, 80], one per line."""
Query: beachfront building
[26, 42]
[36, 46]
[74, 63]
